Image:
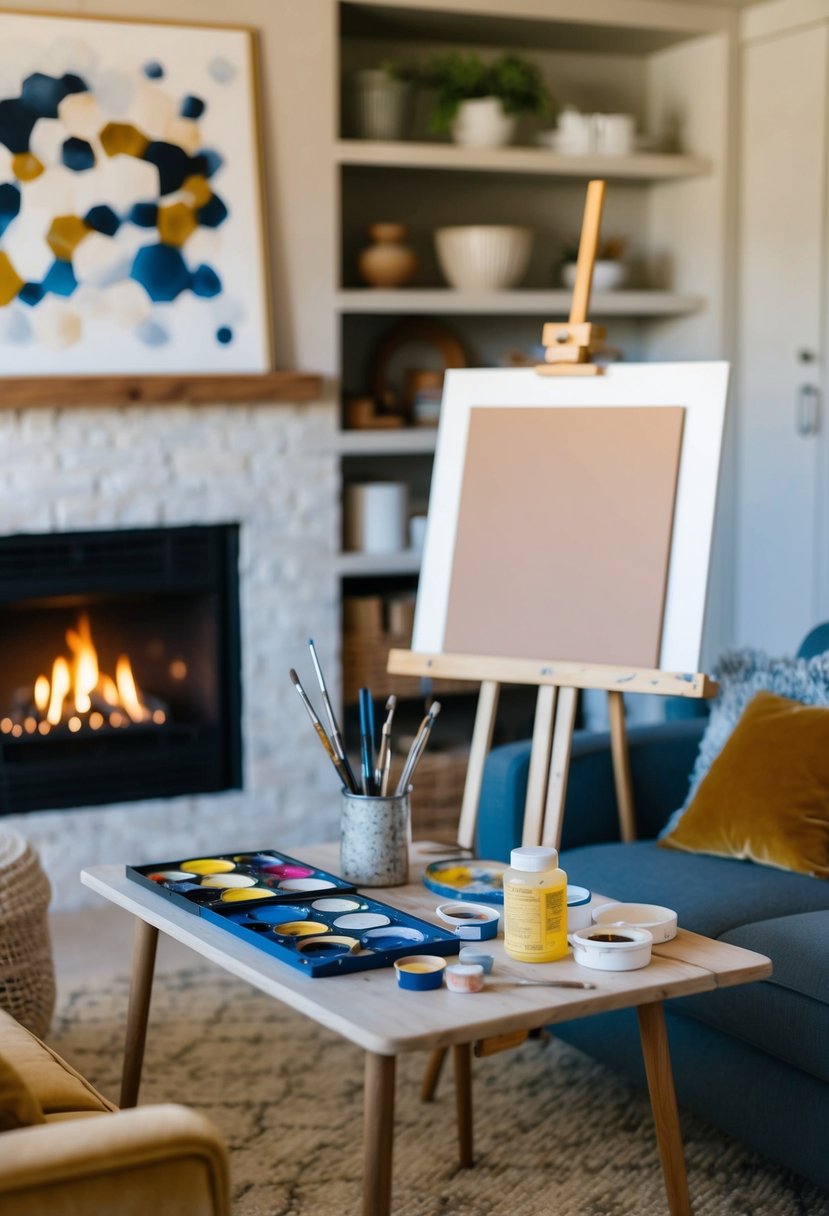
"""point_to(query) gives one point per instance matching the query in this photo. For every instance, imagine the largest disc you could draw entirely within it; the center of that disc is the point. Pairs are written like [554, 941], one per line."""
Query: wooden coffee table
[368, 1008]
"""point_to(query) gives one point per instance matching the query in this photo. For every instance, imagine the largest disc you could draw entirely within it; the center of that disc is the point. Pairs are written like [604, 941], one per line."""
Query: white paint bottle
[535, 906]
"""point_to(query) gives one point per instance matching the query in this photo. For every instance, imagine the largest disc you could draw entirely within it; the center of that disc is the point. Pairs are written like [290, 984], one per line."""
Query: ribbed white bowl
[483, 257]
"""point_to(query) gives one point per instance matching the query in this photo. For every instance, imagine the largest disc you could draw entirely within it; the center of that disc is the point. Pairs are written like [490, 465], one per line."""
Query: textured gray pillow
[741, 674]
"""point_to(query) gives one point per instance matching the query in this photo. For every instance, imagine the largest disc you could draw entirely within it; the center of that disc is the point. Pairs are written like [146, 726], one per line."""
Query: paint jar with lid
[535, 906]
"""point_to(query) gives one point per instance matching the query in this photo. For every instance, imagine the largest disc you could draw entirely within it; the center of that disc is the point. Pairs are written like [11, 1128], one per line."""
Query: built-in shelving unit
[669, 201]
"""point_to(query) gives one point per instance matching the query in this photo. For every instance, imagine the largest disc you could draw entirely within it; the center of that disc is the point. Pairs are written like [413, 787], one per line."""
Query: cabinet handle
[807, 417]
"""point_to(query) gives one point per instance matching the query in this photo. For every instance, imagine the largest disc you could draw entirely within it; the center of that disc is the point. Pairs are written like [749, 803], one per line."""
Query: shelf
[17, 392]
[356, 564]
[367, 301]
[642, 166]
[401, 441]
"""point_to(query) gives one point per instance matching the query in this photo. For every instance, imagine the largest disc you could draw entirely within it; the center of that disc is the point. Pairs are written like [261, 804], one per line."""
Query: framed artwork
[571, 518]
[132, 237]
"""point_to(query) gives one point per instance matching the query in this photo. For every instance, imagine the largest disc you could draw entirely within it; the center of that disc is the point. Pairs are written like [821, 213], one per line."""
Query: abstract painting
[131, 226]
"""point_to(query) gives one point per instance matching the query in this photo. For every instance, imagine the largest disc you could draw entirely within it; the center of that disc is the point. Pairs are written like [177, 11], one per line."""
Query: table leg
[656, 1054]
[145, 940]
[378, 1133]
[462, 1053]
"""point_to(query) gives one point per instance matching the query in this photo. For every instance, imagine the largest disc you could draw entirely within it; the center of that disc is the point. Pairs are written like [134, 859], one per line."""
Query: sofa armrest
[661, 759]
[164, 1160]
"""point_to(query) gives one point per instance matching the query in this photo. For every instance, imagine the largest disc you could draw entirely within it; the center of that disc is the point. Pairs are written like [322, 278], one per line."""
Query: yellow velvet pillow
[18, 1105]
[765, 798]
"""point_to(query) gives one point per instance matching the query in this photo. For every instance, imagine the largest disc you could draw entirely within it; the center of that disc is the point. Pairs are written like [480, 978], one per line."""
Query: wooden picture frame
[698, 390]
[132, 221]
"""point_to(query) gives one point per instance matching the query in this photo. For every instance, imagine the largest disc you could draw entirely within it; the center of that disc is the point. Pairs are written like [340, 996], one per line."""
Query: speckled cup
[374, 840]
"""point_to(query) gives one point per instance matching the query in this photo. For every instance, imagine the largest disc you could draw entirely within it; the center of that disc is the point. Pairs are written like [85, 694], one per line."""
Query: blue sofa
[752, 1060]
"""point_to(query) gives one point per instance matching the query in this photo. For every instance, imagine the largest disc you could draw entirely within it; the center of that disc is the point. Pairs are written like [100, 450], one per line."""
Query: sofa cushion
[54, 1084]
[18, 1105]
[765, 798]
[711, 895]
[787, 1015]
[741, 674]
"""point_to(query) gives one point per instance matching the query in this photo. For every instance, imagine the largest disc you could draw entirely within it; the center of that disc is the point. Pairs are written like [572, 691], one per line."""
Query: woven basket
[27, 974]
[437, 794]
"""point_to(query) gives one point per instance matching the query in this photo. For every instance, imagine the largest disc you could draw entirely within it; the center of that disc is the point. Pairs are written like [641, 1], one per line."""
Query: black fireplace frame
[40, 773]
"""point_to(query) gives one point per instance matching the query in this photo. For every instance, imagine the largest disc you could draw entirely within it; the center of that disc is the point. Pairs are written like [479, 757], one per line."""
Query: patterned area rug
[555, 1132]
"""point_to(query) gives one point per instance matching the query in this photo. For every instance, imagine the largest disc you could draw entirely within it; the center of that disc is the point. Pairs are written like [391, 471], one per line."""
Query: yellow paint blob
[300, 928]
[234, 893]
[10, 280]
[124, 139]
[175, 224]
[207, 865]
[197, 188]
[65, 234]
[26, 167]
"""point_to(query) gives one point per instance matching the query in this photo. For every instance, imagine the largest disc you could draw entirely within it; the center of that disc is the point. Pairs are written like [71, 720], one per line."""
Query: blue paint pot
[420, 972]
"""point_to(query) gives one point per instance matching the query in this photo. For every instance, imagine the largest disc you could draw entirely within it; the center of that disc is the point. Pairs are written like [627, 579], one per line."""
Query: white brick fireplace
[265, 468]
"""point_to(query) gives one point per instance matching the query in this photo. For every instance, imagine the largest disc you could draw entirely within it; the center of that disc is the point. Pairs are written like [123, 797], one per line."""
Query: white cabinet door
[781, 298]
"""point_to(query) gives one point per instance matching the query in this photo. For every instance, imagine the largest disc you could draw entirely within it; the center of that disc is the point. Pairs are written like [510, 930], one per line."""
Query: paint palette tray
[333, 934]
[236, 880]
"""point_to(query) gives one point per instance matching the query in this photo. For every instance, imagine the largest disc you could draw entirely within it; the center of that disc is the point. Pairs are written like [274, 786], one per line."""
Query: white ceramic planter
[482, 123]
[380, 105]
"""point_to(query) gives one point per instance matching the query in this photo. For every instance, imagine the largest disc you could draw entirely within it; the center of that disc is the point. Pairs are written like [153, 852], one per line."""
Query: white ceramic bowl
[483, 257]
[605, 948]
[607, 275]
[660, 922]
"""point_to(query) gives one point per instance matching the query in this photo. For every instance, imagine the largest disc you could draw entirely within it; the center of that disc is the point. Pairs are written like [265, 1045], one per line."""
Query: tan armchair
[66, 1151]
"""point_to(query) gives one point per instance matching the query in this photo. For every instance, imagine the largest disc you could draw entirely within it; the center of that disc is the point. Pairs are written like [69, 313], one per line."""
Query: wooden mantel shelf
[20, 392]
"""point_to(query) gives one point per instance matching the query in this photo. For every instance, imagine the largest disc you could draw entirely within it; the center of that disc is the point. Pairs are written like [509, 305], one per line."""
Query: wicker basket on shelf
[437, 793]
[27, 975]
[364, 659]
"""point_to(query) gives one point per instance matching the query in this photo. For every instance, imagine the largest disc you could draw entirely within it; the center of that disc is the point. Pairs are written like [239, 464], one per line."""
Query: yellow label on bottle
[535, 923]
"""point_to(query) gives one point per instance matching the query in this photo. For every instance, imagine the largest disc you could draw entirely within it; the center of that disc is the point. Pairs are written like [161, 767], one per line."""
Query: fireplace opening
[119, 666]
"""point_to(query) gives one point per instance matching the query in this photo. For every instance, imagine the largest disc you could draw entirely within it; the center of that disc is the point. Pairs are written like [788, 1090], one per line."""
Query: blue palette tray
[306, 917]
[236, 880]
[478, 880]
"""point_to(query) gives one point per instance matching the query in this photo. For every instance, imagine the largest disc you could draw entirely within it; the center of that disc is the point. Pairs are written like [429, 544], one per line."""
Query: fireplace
[119, 666]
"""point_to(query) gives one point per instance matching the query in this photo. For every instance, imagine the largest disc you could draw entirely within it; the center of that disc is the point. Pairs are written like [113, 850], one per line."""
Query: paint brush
[367, 741]
[336, 737]
[417, 749]
[541, 984]
[347, 781]
[381, 772]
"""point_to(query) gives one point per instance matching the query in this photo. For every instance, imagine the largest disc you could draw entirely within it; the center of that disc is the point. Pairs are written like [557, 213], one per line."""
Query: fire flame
[78, 693]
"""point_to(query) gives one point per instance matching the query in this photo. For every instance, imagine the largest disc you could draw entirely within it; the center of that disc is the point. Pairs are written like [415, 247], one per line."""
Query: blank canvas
[571, 517]
[564, 532]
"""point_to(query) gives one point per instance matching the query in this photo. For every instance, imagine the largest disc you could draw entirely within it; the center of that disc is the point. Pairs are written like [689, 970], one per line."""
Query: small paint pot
[331, 946]
[465, 977]
[578, 908]
[281, 870]
[300, 928]
[207, 865]
[608, 948]
[660, 922]
[420, 972]
[472, 922]
[276, 914]
[475, 957]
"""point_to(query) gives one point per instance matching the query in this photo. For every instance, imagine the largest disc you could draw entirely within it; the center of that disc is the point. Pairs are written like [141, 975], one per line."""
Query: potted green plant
[478, 101]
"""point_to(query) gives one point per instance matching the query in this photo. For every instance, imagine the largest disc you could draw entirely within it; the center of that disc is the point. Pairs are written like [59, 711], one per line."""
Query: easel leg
[621, 764]
[378, 1133]
[145, 941]
[656, 1054]
[462, 1055]
[431, 1076]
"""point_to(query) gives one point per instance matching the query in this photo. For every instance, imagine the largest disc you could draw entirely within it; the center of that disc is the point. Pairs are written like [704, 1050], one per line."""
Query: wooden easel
[569, 347]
